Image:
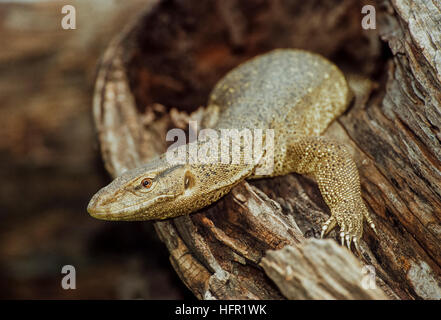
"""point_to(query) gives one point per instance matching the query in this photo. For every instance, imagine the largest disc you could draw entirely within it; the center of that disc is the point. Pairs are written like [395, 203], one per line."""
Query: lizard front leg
[337, 177]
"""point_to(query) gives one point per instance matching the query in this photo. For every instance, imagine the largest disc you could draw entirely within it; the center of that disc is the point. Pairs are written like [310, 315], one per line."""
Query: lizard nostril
[96, 204]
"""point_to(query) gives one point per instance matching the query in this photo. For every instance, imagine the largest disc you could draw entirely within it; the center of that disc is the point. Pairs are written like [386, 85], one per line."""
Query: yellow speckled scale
[295, 93]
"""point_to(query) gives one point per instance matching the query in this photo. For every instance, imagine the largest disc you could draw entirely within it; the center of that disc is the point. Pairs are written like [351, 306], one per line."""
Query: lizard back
[286, 90]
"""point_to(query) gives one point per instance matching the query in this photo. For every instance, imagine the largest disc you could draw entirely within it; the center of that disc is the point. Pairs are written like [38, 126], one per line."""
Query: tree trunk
[255, 242]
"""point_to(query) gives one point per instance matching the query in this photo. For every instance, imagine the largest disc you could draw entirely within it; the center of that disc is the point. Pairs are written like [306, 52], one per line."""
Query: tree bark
[252, 244]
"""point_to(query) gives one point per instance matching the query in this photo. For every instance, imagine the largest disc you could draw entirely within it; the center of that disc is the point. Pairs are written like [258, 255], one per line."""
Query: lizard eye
[147, 183]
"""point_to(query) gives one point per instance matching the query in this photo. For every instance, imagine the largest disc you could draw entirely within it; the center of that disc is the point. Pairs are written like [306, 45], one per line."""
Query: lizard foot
[349, 216]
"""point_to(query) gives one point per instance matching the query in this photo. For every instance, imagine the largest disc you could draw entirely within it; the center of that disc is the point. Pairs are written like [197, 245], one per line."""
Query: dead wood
[173, 55]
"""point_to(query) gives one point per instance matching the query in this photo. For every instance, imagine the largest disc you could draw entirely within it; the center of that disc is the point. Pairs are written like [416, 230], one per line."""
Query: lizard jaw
[99, 209]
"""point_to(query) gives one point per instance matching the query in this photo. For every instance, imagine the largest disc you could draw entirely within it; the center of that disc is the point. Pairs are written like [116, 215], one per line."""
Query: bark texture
[252, 243]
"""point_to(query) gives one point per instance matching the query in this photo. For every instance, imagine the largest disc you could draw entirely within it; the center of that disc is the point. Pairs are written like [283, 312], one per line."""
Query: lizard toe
[342, 234]
[348, 238]
[328, 226]
[356, 245]
[369, 220]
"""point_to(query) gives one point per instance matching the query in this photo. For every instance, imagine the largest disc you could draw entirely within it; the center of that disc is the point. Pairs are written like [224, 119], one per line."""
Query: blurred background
[50, 163]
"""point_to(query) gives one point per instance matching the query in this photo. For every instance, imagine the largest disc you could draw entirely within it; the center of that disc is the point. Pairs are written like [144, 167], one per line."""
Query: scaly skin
[295, 93]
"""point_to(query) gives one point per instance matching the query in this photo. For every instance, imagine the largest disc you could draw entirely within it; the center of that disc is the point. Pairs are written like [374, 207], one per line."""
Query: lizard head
[156, 190]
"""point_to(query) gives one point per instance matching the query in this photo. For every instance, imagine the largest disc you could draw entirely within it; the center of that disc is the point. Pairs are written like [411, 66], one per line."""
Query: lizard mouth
[99, 209]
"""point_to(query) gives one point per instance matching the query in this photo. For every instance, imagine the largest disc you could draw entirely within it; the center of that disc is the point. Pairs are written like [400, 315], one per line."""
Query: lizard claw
[343, 234]
[357, 247]
[328, 226]
[348, 238]
[372, 225]
[342, 238]
[369, 221]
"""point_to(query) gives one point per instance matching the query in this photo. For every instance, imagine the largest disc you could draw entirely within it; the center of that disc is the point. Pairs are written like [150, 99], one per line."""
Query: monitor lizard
[294, 92]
